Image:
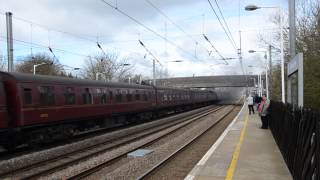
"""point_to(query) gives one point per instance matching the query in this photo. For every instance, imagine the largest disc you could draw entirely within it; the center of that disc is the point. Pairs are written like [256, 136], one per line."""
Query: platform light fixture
[35, 66]
[253, 8]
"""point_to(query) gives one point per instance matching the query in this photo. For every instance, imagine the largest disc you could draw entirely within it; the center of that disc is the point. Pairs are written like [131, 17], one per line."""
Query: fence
[297, 133]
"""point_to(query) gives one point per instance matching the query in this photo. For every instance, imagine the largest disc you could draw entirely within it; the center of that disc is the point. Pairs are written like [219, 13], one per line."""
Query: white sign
[296, 65]
[293, 65]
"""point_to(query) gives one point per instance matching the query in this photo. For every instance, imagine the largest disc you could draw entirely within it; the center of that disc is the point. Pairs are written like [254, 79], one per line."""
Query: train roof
[171, 88]
[22, 77]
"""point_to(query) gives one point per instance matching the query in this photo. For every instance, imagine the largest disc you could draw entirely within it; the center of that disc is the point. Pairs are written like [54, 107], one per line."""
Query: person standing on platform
[257, 100]
[263, 112]
[250, 104]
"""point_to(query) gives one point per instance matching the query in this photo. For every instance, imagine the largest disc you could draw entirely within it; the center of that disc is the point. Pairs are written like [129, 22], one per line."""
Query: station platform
[243, 151]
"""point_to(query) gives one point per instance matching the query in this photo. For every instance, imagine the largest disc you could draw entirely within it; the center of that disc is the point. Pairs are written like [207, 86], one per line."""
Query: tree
[107, 66]
[308, 42]
[50, 67]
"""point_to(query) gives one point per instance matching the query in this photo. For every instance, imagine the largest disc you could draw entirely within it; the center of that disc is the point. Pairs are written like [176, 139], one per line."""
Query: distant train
[35, 109]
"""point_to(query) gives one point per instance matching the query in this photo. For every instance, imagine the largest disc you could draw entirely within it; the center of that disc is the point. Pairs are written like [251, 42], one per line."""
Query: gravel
[29, 159]
[180, 166]
[137, 166]
[107, 156]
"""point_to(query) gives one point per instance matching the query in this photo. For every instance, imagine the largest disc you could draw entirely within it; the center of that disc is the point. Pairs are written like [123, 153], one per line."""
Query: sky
[72, 29]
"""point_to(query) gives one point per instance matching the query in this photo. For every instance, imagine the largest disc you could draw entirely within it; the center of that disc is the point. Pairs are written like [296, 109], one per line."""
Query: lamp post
[72, 69]
[260, 80]
[253, 8]
[266, 69]
[76, 69]
[254, 82]
[35, 66]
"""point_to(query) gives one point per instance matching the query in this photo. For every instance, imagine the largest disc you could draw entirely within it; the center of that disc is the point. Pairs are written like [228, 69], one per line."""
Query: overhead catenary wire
[55, 30]
[224, 29]
[84, 37]
[223, 58]
[149, 52]
[36, 45]
[225, 22]
[49, 29]
[175, 24]
[54, 56]
[147, 28]
[103, 51]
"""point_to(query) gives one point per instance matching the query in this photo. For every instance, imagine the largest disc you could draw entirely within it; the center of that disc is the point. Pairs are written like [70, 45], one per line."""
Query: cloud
[92, 18]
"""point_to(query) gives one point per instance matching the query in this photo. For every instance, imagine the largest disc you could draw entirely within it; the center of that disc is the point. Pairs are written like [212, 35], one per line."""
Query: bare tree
[107, 66]
[50, 65]
[308, 28]
[308, 42]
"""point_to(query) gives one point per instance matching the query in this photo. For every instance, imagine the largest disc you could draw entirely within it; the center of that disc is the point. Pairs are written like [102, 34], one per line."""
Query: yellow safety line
[236, 152]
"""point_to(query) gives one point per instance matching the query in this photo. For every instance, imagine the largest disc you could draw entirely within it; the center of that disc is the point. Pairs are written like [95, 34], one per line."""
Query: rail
[95, 149]
[172, 155]
[94, 169]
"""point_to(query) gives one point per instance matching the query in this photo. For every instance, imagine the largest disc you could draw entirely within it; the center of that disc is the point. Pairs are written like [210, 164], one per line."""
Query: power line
[55, 30]
[149, 52]
[223, 58]
[175, 24]
[224, 29]
[49, 29]
[225, 22]
[146, 27]
[46, 47]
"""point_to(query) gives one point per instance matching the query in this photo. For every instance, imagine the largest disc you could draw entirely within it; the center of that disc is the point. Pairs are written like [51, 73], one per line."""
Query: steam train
[36, 108]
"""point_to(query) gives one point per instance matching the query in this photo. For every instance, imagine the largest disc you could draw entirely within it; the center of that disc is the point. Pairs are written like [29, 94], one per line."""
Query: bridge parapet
[209, 81]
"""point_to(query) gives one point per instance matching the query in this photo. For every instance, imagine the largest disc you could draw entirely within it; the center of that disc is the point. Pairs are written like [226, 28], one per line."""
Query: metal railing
[297, 133]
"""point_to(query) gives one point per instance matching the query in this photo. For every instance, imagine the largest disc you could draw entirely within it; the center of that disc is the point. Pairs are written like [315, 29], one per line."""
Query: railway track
[94, 169]
[86, 173]
[171, 156]
[58, 163]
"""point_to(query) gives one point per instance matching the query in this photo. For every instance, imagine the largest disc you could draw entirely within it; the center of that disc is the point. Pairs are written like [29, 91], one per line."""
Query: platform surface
[244, 152]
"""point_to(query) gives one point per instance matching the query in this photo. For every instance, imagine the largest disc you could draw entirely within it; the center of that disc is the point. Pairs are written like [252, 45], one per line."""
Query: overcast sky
[73, 27]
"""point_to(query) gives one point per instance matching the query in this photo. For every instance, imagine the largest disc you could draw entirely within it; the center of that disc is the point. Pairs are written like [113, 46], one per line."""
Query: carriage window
[129, 97]
[118, 96]
[102, 94]
[110, 94]
[27, 96]
[145, 97]
[69, 96]
[87, 97]
[165, 98]
[104, 99]
[47, 96]
[137, 96]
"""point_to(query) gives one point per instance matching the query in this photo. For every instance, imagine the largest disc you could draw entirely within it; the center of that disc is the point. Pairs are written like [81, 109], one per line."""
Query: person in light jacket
[263, 112]
[250, 104]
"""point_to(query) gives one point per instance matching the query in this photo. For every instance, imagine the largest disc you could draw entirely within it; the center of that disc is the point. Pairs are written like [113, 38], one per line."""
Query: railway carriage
[57, 106]
[3, 107]
[37, 108]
